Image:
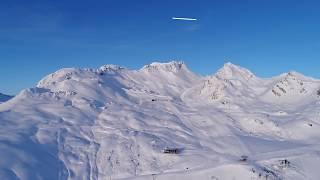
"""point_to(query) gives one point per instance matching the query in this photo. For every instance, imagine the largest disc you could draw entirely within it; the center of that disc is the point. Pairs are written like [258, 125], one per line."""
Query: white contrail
[184, 19]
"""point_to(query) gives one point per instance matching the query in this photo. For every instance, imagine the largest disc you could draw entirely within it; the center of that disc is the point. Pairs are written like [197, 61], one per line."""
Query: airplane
[184, 19]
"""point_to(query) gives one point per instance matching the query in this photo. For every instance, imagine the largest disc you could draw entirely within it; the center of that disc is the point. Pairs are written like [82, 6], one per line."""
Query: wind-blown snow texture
[113, 123]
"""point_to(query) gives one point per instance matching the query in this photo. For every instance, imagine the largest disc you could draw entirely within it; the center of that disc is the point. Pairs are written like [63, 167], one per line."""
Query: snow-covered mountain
[113, 123]
[4, 98]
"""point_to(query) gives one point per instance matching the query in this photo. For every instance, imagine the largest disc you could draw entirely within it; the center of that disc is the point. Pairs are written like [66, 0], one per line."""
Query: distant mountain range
[4, 98]
[162, 122]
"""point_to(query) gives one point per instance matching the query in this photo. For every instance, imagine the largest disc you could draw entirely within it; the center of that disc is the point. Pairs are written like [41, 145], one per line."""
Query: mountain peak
[173, 66]
[232, 71]
[229, 64]
[110, 68]
[294, 75]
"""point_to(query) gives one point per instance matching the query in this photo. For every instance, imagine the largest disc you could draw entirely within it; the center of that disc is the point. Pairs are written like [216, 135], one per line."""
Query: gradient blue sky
[269, 37]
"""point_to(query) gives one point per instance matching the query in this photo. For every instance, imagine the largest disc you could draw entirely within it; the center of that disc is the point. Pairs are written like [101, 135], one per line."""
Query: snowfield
[115, 123]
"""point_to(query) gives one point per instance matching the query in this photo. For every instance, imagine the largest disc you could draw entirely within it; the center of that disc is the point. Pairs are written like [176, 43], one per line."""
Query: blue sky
[38, 37]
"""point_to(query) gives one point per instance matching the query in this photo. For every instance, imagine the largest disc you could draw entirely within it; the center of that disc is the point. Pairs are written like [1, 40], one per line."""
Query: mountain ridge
[4, 97]
[113, 123]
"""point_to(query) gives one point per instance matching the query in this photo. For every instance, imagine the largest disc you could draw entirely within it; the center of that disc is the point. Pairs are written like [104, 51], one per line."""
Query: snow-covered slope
[4, 98]
[111, 123]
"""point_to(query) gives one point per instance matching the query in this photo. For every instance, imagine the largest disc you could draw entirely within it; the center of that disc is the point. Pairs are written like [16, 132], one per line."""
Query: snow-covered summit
[173, 66]
[231, 71]
[292, 87]
[65, 75]
[229, 81]
[294, 75]
[110, 68]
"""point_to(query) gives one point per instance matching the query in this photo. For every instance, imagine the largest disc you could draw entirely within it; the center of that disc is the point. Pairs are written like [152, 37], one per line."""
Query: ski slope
[114, 123]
